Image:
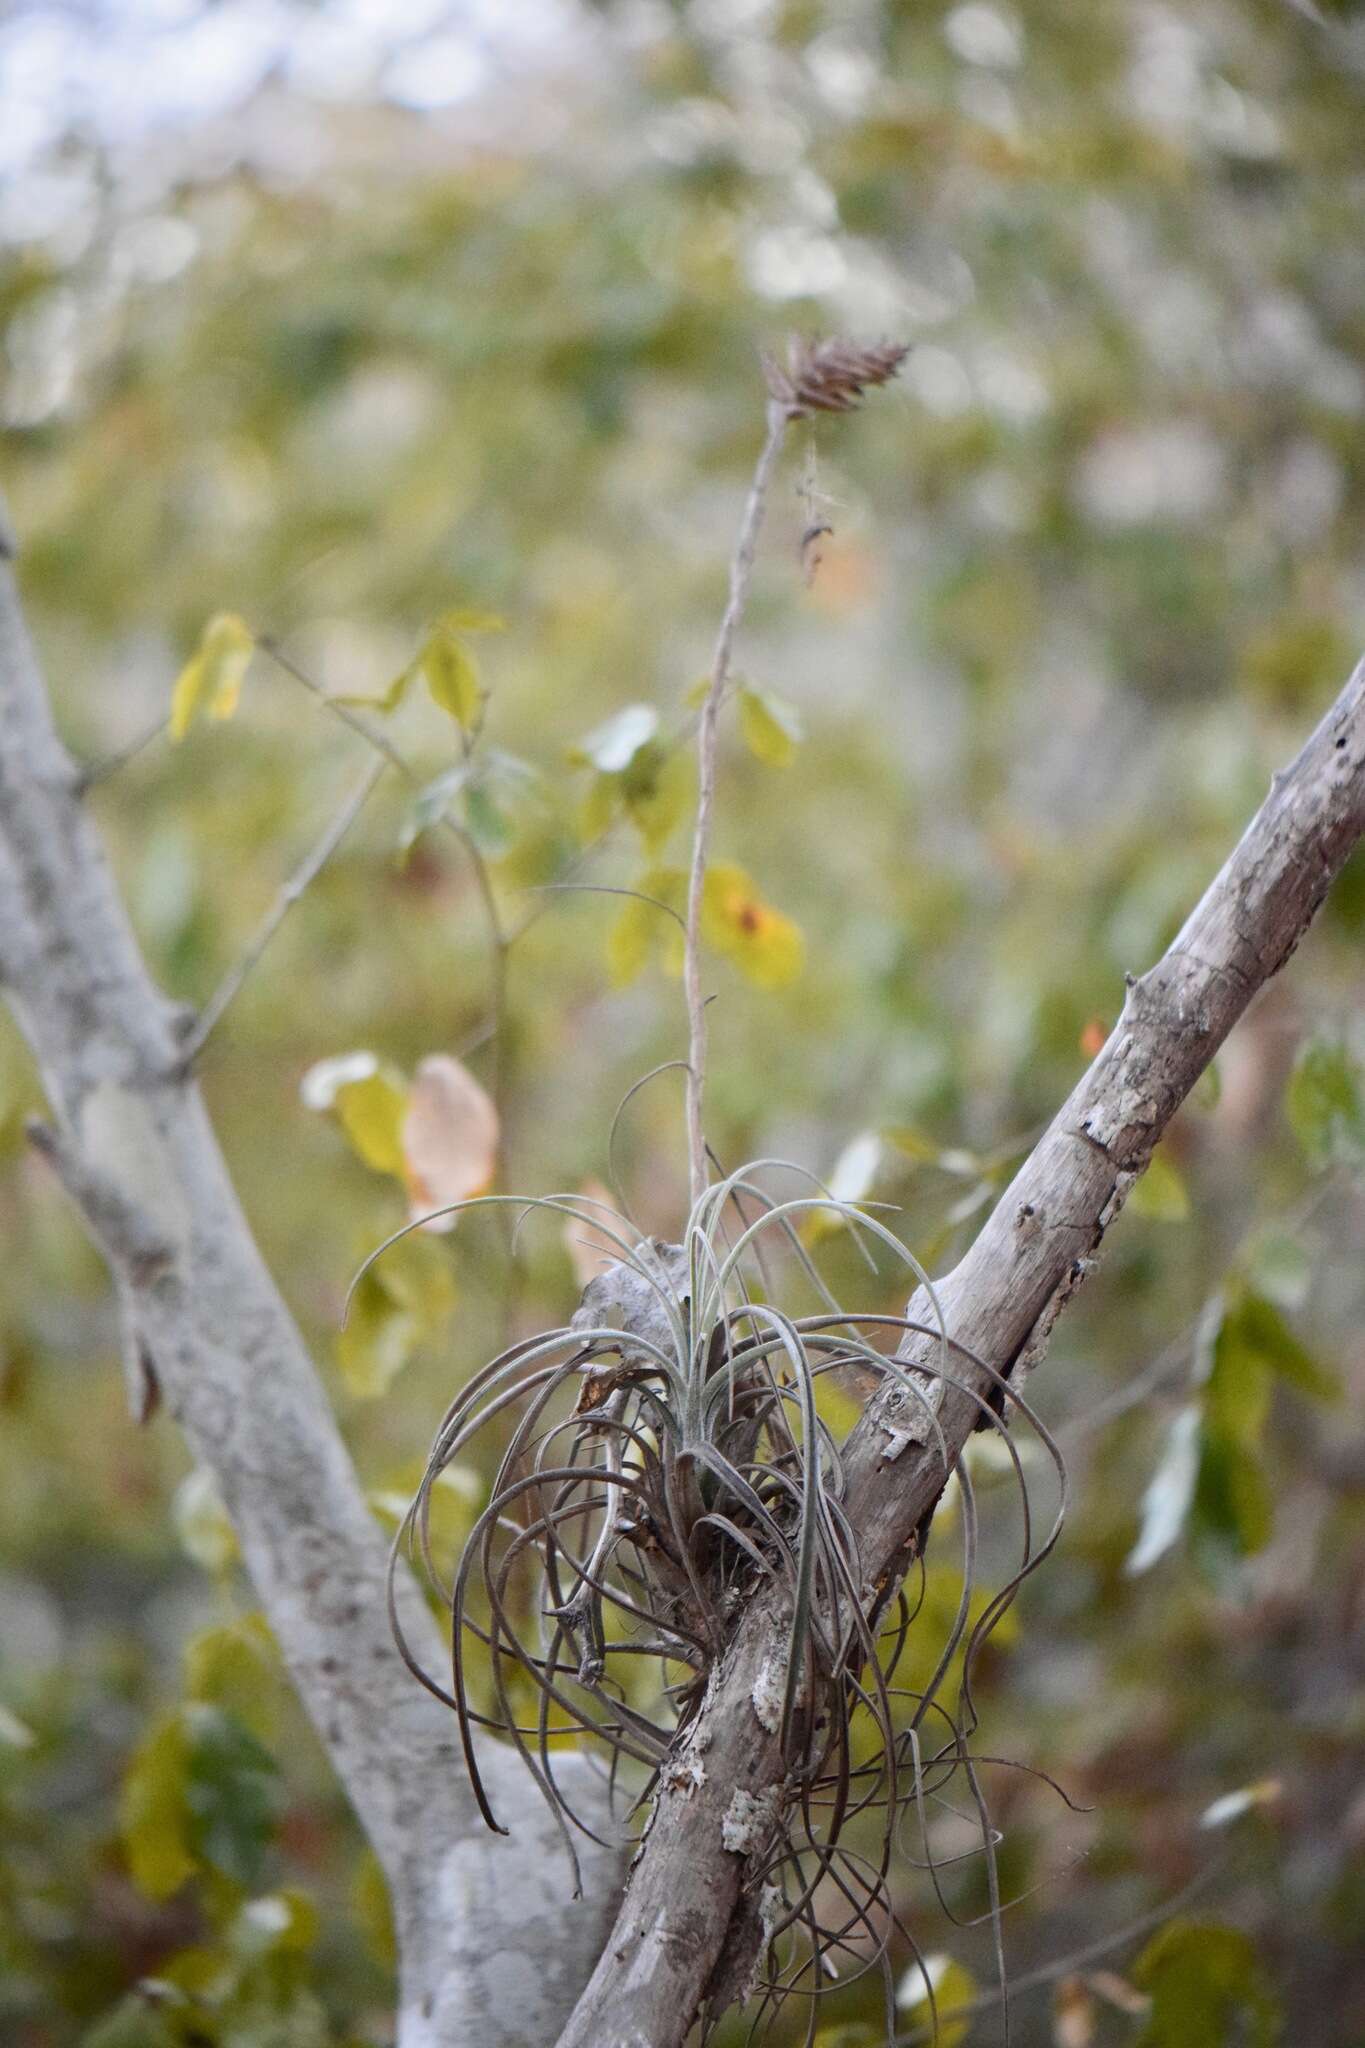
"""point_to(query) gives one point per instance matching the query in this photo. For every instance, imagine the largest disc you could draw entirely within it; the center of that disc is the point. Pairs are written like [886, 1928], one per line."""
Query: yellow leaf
[235, 1665]
[471, 618]
[630, 942]
[388, 700]
[154, 1814]
[598, 808]
[415, 1274]
[449, 1139]
[771, 729]
[371, 1910]
[763, 943]
[377, 1342]
[211, 680]
[201, 1521]
[656, 789]
[370, 1112]
[642, 927]
[452, 678]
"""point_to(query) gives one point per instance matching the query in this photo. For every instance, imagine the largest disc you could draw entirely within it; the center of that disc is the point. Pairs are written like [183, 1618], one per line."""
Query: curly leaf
[211, 681]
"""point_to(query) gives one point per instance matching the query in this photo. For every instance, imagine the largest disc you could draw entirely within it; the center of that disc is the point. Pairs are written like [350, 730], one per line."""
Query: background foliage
[338, 366]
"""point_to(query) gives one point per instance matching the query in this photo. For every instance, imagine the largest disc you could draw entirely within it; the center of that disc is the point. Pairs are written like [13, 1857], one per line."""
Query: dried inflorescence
[831, 376]
[665, 1454]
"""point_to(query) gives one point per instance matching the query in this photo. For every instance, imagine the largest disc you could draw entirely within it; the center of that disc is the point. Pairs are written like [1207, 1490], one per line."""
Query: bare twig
[741, 569]
[500, 940]
[107, 765]
[309, 868]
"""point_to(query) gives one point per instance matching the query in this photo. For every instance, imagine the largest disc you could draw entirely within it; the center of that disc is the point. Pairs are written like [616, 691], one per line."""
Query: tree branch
[304, 875]
[741, 570]
[687, 1904]
[491, 1950]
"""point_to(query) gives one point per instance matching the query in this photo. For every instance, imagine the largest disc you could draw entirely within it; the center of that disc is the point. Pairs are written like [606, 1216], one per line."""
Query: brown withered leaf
[590, 1251]
[449, 1139]
[831, 376]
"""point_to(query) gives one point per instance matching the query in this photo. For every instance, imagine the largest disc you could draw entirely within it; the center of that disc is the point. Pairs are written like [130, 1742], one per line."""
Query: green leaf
[1232, 1514]
[612, 746]
[1246, 1349]
[452, 677]
[1325, 1104]
[492, 831]
[14, 1733]
[1254, 1329]
[370, 1112]
[415, 1275]
[232, 1792]
[236, 1665]
[378, 1340]
[432, 803]
[278, 1923]
[642, 929]
[1281, 1269]
[1208, 1986]
[1238, 1388]
[1161, 1194]
[211, 681]
[953, 1987]
[770, 727]
[154, 1815]
[656, 790]
[1170, 1493]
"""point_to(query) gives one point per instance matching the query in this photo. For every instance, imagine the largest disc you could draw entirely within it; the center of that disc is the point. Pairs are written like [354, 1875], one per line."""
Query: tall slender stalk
[741, 570]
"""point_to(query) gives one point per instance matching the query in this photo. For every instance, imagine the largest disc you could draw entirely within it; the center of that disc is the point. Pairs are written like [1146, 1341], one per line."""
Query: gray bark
[686, 1909]
[492, 1947]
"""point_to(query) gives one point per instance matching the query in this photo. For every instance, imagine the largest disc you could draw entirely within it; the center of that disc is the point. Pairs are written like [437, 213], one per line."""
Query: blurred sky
[123, 70]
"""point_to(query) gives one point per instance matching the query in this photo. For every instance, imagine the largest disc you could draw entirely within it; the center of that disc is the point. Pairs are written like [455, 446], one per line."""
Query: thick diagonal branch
[687, 1896]
[490, 1945]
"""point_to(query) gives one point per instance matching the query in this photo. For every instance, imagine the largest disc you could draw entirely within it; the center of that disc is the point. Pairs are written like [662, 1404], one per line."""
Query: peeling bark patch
[1117, 1199]
[1108, 1120]
[770, 1910]
[684, 1775]
[769, 1689]
[748, 1820]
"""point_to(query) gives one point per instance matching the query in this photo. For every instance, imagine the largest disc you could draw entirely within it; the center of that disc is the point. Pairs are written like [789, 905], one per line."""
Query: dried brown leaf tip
[831, 376]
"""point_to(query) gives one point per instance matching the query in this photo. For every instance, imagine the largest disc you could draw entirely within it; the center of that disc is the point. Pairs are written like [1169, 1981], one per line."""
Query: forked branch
[690, 1915]
[488, 1945]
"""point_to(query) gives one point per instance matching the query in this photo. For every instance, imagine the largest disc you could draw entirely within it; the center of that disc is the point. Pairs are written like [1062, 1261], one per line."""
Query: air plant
[670, 1449]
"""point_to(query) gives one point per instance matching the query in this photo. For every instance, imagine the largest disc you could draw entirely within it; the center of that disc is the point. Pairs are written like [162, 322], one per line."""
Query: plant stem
[741, 569]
